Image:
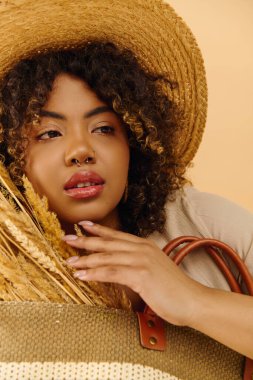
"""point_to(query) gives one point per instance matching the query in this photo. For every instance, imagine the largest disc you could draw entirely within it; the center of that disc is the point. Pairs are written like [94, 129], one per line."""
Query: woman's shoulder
[209, 215]
[201, 204]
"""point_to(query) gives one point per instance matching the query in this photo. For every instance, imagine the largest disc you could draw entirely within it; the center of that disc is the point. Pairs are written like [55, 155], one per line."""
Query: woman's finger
[107, 232]
[102, 259]
[100, 244]
[122, 275]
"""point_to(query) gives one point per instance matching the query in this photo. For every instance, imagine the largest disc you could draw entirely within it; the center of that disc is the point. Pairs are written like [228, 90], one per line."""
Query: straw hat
[150, 28]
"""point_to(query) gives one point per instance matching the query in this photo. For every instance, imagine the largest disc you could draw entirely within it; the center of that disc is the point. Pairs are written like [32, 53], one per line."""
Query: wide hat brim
[159, 38]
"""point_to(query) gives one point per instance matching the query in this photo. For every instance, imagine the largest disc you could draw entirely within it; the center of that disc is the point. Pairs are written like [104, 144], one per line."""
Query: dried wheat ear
[32, 259]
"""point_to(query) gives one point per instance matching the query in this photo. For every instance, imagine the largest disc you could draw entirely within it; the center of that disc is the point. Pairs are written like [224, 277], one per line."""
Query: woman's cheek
[40, 169]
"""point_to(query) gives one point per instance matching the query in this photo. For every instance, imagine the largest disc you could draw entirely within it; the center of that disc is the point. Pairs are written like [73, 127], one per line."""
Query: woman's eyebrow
[98, 110]
[95, 111]
[52, 114]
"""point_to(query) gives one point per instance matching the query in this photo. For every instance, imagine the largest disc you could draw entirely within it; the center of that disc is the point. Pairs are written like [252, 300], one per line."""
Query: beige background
[224, 31]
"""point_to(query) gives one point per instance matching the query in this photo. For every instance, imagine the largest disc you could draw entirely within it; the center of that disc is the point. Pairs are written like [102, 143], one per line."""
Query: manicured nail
[81, 275]
[69, 237]
[72, 259]
[86, 223]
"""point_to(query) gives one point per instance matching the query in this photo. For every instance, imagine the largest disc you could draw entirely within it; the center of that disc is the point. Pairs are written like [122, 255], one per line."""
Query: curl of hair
[136, 96]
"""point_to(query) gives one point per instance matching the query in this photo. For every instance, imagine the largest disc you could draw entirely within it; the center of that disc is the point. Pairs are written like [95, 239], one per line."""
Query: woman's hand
[143, 267]
[139, 264]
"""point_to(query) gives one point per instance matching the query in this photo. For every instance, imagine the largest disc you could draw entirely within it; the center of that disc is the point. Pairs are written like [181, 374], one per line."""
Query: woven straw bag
[66, 341]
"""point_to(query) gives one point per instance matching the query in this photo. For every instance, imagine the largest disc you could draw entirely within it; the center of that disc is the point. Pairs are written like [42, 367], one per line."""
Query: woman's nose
[79, 151]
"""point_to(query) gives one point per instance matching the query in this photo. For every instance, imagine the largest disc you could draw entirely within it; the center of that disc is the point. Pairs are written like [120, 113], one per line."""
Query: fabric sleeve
[223, 220]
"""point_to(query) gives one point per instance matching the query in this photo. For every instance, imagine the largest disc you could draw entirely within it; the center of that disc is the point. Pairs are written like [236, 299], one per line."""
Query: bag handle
[152, 327]
[209, 245]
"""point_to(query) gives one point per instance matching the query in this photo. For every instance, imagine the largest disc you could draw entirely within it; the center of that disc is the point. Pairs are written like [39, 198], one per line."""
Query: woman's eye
[48, 135]
[104, 130]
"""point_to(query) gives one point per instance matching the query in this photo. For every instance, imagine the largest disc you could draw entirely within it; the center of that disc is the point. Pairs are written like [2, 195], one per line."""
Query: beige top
[209, 216]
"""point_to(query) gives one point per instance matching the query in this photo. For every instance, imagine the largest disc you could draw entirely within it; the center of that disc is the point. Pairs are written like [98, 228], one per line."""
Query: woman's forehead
[68, 92]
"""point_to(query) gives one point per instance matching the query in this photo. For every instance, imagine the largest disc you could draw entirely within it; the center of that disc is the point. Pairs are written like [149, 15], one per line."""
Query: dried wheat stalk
[32, 263]
[108, 294]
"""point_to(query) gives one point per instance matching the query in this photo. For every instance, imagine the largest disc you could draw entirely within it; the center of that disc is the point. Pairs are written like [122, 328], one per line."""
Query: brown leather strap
[170, 247]
[152, 330]
[234, 286]
[248, 369]
[207, 243]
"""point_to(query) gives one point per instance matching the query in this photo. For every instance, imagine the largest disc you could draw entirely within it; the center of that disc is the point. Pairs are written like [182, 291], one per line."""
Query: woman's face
[78, 156]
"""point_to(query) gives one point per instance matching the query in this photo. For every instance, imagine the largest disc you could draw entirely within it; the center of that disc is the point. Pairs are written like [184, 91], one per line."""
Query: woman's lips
[85, 192]
[84, 184]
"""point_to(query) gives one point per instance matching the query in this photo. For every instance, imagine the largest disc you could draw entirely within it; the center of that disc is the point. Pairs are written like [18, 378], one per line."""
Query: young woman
[97, 133]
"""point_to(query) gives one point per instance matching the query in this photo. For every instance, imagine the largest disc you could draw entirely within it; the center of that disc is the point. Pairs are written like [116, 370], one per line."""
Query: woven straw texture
[80, 371]
[41, 338]
[150, 28]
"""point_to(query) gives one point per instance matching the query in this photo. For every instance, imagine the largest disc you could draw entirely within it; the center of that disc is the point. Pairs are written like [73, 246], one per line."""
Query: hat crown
[168, 47]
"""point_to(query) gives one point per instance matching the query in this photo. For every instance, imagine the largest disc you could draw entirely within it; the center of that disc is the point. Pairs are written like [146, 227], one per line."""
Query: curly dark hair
[136, 96]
